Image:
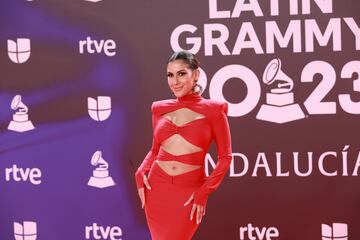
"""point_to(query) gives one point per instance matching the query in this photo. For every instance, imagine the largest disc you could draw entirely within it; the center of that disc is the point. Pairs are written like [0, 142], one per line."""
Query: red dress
[166, 215]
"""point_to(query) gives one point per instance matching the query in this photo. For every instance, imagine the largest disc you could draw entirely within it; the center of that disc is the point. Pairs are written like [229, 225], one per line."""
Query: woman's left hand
[200, 210]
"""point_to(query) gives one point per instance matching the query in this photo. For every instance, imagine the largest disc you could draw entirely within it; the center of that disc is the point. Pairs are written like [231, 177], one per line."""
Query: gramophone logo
[20, 122]
[100, 177]
[25, 231]
[99, 109]
[280, 106]
[19, 51]
[338, 231]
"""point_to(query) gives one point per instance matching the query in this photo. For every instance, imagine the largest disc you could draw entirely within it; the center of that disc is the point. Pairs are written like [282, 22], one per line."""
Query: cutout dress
[166, 215]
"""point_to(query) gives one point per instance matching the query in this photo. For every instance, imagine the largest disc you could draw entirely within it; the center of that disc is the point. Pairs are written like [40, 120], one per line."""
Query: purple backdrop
[289, 70]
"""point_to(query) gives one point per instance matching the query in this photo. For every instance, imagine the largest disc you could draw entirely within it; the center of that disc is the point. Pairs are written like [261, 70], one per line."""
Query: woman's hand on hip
[199, 209]
[141, 191]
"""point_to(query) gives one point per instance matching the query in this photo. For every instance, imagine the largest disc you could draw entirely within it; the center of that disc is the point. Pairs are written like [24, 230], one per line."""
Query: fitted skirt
[166, 215]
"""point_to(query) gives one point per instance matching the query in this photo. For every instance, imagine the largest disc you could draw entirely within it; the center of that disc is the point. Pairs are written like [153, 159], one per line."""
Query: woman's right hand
[141, 191]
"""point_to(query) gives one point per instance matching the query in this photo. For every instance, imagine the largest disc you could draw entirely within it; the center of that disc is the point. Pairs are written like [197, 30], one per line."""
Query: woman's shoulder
[159, 105]
[216, 106]
[214, 103]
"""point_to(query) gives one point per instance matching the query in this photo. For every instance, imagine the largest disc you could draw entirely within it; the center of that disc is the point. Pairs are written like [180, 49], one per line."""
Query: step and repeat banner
[77, 79]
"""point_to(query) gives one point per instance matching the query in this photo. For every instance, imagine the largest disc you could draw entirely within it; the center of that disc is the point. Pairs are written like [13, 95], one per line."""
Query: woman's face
[181, 78]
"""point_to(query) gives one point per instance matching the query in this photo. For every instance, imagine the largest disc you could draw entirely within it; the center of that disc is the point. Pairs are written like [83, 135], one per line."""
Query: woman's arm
[222, 136]
[150, 156]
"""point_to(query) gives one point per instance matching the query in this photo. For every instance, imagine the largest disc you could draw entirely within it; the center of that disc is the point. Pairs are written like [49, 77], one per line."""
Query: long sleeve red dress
[166, 215]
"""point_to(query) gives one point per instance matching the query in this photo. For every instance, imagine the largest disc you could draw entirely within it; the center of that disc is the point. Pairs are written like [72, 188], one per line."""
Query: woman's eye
[181, 74]
[169, 75]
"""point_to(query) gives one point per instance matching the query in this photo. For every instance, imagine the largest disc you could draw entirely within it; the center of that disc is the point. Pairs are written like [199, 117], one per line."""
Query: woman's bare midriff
[175, 168]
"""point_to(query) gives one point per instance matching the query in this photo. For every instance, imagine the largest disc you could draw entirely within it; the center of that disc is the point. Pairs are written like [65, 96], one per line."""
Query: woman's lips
[178, 88]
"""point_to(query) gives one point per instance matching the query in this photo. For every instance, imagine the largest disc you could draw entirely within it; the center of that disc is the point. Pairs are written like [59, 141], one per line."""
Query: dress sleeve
[222, 136]
[150, 156]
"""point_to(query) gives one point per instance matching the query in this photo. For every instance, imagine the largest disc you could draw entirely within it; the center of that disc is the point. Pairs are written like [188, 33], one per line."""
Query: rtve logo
[255, 233]
[20, 174]
[99, 232]
[19, 51]
[95, 46]
[25, 231]
[338, 231]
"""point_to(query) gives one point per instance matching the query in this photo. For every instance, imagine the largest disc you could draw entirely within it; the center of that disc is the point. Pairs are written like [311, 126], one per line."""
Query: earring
[197, 88]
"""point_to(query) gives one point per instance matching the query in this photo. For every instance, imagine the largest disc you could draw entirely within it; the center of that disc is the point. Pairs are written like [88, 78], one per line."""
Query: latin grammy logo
[20, 122]
[272, 73]
[100, 177]
[280, 106]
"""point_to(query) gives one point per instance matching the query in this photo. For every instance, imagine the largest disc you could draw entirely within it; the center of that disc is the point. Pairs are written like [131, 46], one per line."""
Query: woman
[176, 190]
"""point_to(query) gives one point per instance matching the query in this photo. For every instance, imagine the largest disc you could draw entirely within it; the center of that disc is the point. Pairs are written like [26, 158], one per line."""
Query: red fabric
[199, 132]
[166, 215]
